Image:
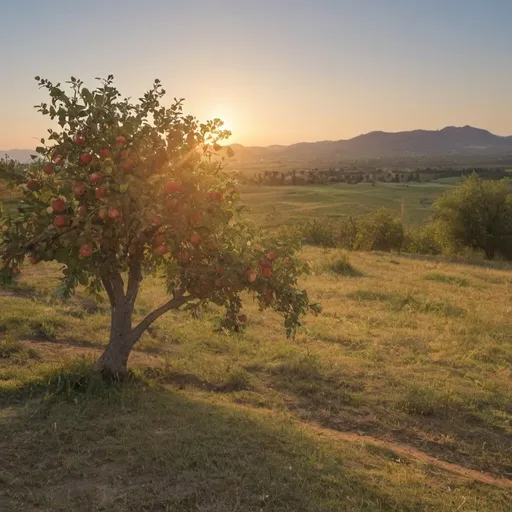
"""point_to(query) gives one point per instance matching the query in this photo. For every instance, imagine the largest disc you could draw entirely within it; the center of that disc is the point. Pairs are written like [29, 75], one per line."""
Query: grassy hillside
[276, 205]
[397, 397]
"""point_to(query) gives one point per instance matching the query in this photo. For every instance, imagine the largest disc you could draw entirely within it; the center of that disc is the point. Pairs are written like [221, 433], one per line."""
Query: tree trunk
[112, 363]
[123, 336]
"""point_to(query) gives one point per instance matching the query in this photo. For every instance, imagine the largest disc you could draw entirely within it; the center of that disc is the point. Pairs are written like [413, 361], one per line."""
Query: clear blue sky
[278, 71]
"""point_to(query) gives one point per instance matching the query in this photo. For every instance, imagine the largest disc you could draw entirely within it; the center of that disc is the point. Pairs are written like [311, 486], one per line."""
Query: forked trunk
[123, 336]
[112, 363]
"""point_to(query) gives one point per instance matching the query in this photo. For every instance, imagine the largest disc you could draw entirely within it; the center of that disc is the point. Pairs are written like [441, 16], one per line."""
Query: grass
[329, 201]
[338, 263]
[445, 278]
[253, 421]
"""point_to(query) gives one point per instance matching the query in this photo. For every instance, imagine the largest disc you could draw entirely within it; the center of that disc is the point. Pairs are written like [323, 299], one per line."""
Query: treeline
[476, 215]
[354, 176]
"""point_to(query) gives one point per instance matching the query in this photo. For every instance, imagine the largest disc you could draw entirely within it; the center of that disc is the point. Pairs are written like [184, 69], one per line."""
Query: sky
[276, 71]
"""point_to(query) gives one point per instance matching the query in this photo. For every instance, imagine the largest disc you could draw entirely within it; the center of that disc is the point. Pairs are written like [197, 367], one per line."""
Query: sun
[225, 116]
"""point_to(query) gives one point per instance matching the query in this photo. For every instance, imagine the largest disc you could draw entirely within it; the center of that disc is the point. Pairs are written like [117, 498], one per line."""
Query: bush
[331, 233]
[426, 240]
[379, 231]
[477, 215]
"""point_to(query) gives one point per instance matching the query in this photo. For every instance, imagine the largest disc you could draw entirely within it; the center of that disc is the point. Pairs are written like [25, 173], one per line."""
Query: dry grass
[249, 422]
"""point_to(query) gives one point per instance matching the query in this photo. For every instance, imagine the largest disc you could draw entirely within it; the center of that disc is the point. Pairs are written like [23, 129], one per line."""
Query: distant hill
[448, 141]
[452, 140]
[22, 155]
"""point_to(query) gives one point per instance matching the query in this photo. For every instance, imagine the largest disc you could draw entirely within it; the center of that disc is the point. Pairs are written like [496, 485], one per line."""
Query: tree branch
[134, 280]
[41, 237]
[174, 303]
[109, 289]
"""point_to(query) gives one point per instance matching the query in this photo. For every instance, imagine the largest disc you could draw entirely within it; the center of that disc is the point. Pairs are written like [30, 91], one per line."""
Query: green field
[396, 398]
[273, 206]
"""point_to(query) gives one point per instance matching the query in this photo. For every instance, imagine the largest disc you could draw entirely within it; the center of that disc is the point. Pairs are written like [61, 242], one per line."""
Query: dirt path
[412, 453]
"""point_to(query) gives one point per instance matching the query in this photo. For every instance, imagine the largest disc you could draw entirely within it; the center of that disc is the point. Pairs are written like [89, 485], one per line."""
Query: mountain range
[451, 140]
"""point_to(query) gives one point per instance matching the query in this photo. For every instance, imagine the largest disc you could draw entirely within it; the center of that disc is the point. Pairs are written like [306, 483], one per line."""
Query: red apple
[156, 220]
[218, 282]
[251, 275]
[79, 189]
[197, 217]
[60, 221]
[120, 140]
[220, 271]
[242, 319]
[171, 187]
[266, 272]
[99, 192]
[271, 255]
[268, 295]
[86, 250]
[114, 213]
[34, 260]
[49, 168]
[103, 214]
[183, 256]
[32, 184]
[105, 153]
[264, 263]
[158, 239]
[124, 154]
[96, 177]
[127, 165]
[218, 196]
[80, 140]
[161, 249]
[85, 159]
[59, 205]
[195, 239]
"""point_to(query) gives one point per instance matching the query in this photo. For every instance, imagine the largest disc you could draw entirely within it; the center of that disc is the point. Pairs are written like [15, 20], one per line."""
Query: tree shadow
[139, 448]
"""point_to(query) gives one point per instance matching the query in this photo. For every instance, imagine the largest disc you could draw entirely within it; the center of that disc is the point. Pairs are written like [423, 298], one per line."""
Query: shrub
[331, 232]
[426, 240]
[477, 215]
[379, 231]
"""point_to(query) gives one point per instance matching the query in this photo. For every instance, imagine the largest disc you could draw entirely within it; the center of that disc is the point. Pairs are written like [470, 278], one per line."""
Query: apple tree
[122, 189]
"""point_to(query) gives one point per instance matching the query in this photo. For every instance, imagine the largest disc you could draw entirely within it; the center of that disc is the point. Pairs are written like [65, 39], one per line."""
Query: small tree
[124, 189]
[477, 214]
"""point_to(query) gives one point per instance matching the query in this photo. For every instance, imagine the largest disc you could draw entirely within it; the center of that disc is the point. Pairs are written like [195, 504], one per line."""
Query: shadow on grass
[443, 424]
[155, 450]
[408, 303]
[446, 278]
[461, 260]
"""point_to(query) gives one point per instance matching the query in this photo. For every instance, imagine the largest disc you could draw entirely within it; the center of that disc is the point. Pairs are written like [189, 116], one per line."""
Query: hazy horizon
[234, 142]
[278, 73]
